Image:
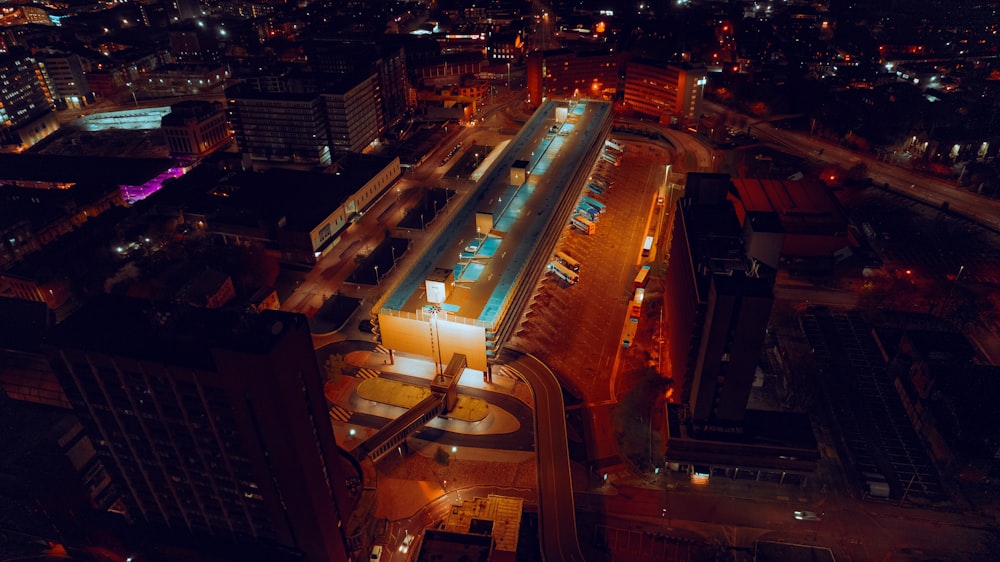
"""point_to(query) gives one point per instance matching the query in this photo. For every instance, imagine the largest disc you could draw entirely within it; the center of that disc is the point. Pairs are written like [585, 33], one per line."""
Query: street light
[508, 74]
[422, 222]
[376, 275]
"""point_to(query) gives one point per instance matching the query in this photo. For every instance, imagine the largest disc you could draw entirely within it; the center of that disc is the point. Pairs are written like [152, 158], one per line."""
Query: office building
[564, 73]
[26, 114]
[349, 58]
[281, 126]
[213, 424]
[352, 113]
[195, 128]
[671, 93]
[65, 78]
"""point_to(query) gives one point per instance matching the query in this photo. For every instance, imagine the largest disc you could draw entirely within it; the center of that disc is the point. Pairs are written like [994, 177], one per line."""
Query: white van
[376, 554]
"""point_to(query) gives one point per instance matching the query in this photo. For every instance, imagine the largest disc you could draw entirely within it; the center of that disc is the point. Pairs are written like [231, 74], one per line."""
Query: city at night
[499, 281]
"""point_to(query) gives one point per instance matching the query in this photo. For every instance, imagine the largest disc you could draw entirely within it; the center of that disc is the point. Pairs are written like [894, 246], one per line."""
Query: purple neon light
[134, 193]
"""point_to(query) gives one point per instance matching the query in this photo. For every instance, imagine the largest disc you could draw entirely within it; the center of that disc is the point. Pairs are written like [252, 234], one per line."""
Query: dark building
[722, 302]
[212, 424]
[353, 57]
[719, 303]
[566, 73]
[279, 126]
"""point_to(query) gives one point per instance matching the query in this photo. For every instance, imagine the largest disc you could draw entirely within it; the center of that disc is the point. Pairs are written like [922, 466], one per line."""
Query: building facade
[564, 73]
[25, 103]
[283, 127]
[212, 424]
[670, 92]
[65, 77]
[720, 305]
[194, 129]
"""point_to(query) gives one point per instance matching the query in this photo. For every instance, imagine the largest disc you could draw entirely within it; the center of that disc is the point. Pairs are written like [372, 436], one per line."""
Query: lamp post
[377, 281]
[393, 250]
[508, 75]
[422, 222]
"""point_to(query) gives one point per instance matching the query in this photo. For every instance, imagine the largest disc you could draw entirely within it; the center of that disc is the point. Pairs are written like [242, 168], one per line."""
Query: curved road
[556, 507]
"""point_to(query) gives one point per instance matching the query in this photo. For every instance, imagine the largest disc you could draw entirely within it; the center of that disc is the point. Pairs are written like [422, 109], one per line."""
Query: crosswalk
[380, 349]
[366, 373]
[338, 413]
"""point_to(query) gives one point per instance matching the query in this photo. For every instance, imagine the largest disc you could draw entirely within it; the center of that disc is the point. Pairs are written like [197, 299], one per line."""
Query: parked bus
[601, 181]
[584, 224]
[635, 310]
[568, 261]
[647, 246]
[630, 329]
[642, 277]
[601, 207]
[598, 190]
[564, 273]
[587, 211]
[609, 159]
[615, 144]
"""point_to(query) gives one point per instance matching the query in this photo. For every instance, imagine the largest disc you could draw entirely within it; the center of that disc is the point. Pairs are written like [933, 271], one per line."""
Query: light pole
[376, 275]
[393, 250]
[422, 222]
[508, 75]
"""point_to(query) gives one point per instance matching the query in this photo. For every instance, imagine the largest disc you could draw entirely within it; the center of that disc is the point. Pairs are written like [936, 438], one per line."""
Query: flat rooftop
[485, 266]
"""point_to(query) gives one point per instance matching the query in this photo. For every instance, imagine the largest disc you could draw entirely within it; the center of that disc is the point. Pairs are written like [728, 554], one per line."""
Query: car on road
[376, 553]
[806, 516]
[404, 547]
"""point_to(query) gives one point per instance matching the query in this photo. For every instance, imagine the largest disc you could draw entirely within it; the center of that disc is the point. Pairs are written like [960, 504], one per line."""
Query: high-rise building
[564, 73]
[349, 57]
[352, 114]
[669, 92]
[720, 306]
[65, 77]
[285, 126]
[212, 423]
[25, 103]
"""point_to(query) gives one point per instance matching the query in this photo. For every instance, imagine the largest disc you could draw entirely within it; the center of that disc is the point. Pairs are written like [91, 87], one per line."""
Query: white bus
[647, 246]
[568, 261]
[564, 273]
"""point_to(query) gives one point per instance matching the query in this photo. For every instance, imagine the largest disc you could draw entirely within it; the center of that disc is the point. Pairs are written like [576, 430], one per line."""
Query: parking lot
[576, 329]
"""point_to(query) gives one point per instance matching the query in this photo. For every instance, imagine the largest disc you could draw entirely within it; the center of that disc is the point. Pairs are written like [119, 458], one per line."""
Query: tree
[334, 367]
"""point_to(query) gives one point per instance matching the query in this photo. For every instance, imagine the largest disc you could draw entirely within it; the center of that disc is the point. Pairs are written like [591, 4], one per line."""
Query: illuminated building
[563, 73]
[26, 114]
[669, 92]
[195, 128]
[211, 423]
[65, 77]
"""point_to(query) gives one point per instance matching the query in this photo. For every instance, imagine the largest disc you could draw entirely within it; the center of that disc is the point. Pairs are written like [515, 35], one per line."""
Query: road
[556, 506]
[931, 190]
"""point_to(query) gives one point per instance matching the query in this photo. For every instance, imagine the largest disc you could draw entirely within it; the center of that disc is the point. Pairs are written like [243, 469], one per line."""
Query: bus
[584, 224]
[598, 190]
[635, 310]
[615, 144]
[564, 273]
[568, 261]
[630, 329]
[647, 246]
[587, 211]
[642, 277]
[594, 203]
